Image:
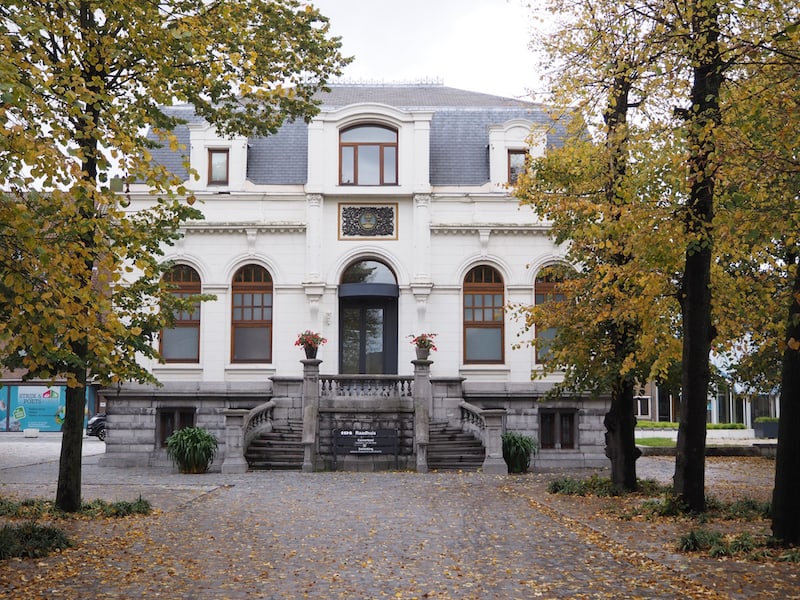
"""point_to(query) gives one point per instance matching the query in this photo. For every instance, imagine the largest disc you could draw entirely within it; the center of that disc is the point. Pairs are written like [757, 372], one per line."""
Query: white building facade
[389, 214]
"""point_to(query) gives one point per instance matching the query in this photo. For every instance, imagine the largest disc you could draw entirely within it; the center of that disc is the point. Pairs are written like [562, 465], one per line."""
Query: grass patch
[658, 442]
[38, 508]
[742, 545]
[598, 486]
[673, 425]
[667, 505]
[31, 540]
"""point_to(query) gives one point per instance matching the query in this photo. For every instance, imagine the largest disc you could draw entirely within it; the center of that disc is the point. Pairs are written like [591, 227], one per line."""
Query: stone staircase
[450, 449]
[280, 449]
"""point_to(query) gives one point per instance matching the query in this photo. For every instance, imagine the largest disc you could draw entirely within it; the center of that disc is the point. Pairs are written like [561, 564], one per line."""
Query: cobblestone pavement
[285, 535]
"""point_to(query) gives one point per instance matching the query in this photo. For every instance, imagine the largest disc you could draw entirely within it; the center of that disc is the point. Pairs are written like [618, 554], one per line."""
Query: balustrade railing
[367, 386]
[472, 419]
[258, 420]
[488, 425]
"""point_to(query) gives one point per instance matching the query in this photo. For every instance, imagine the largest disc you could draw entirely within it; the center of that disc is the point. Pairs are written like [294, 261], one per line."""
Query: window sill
[485, 371]
[248, 371]
[178, 366]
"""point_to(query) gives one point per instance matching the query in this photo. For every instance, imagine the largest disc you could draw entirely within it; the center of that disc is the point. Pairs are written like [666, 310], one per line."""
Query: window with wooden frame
[557, 429]
[517, 161]
[368, 155]
[171, 420]
[484, 321]
[181, 342]
[251, 318]
[546, 289]
[218, 166]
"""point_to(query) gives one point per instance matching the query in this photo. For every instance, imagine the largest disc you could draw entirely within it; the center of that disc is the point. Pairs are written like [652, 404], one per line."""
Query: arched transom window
[251, 315]
[483, 316]
[368, 155]
[181, 343]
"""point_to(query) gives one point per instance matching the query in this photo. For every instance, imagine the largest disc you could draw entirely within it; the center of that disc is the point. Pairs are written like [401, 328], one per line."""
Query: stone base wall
[346, 413]
[524, 404]
[133, 419]
[132, 434]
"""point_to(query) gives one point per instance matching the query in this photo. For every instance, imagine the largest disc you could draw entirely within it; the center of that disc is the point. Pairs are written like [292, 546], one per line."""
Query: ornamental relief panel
[368, 221]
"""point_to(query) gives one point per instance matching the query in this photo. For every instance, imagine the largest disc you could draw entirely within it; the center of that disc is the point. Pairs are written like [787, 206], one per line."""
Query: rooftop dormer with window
[510, 145]
[374, 145]
[221, 163]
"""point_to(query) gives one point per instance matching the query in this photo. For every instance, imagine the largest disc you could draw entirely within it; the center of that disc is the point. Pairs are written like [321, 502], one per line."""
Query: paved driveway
[383, 535]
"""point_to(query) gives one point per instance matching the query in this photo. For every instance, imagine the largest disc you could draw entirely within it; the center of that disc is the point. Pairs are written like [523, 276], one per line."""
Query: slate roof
[459, 132]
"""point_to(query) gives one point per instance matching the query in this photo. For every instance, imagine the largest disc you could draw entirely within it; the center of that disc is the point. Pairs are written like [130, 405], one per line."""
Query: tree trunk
[703, 119]
[68, 492]
[786, 495]
[621, 449]
[620, 421]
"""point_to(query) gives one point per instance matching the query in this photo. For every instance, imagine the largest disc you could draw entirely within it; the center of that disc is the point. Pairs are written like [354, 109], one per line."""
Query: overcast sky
[479, 45]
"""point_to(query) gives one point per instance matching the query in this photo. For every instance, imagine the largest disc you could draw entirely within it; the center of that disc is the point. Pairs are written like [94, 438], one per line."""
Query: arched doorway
[368, 319]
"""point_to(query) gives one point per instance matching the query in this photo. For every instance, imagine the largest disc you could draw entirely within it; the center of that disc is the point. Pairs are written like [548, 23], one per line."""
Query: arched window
[251, 317]
[181, 343]
[483, 316]
[368, 156]
[546, 289]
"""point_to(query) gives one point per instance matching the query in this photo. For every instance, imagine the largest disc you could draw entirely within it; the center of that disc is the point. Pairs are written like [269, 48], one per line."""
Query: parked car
[97, 426]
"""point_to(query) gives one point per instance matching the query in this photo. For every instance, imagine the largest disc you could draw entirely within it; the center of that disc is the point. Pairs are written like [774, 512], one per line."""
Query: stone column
[422, 238]
[314, 229]
[234, 461]
[423, 400]
[494, 463]
[310, 411]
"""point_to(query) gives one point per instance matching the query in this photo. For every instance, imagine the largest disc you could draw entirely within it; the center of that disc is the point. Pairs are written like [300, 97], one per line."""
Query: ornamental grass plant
[192, 449]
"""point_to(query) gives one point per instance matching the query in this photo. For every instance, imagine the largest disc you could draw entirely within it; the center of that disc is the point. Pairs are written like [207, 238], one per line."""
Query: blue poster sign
[3, 408]
[37, 407]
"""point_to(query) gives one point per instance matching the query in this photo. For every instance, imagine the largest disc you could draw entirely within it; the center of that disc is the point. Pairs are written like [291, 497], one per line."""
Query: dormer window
[218, 166]
[368, 156]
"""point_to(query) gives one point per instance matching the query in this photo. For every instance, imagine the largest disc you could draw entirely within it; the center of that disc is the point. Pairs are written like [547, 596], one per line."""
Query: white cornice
[492, 228]
[243, 227]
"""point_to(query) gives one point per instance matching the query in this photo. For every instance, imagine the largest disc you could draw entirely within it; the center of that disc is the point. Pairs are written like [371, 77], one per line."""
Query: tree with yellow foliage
[82, 83]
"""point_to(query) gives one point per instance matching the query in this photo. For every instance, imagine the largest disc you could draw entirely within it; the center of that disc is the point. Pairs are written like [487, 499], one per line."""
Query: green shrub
[121, 508]
[791, 555]
[766, 420]
[673, 425]
[725, 426]
[746, 509]
[192, 449]
[594, 486]
[37, 508]
[31, 540]
[518, 450]
[567, 486]
[699, 539]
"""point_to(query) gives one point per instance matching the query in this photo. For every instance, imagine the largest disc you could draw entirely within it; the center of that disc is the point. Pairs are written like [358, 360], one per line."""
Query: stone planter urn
[423, 353]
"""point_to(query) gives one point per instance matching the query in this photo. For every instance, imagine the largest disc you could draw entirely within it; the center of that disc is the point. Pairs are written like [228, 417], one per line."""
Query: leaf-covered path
[383, 535]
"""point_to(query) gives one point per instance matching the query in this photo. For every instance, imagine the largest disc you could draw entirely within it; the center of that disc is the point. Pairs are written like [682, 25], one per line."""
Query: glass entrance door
[368, 295]
[363, 339]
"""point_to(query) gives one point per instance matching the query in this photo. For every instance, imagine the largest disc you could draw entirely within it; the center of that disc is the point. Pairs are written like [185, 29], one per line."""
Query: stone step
[451, 449]
[279, 449]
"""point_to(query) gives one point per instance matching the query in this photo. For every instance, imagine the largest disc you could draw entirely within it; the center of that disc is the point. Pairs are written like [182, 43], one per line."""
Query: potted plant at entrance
[423, 343]
[192, 449]
[310, 342]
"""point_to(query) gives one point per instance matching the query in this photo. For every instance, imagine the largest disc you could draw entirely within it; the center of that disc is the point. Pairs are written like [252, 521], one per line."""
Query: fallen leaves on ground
[396, 535]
